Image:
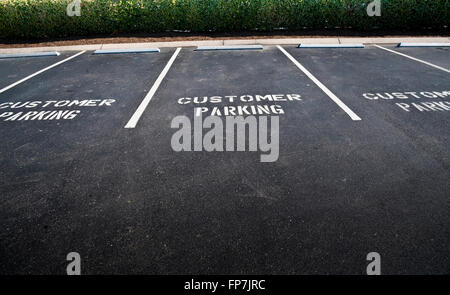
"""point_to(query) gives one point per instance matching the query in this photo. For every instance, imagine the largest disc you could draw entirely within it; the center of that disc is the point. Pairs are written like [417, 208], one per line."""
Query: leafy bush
[48, 18]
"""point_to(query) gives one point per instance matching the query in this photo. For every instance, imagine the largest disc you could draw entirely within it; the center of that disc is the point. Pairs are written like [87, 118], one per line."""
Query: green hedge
[48, 18]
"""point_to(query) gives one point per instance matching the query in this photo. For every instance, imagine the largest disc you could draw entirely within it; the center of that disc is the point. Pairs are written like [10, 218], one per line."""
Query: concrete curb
[229, 47]
[29, 54]
[428, 44]
[285, 41]
[134, 50]
[347, 45]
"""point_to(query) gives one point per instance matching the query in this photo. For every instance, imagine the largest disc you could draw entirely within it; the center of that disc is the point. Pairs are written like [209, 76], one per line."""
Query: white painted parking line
[405, 44]
[119, 51]
[41, 71]
[31, 54]
[140, 110]
[330, 94]
[413, 58]
[229, 47]
[330, 46]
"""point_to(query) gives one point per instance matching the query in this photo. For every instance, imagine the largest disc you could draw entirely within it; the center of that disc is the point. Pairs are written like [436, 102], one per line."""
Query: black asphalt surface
[129, 204]
[14, 69]
[436, 55]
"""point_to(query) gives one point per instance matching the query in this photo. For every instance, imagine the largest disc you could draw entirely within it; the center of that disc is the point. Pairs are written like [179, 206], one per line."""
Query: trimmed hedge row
[48, 18]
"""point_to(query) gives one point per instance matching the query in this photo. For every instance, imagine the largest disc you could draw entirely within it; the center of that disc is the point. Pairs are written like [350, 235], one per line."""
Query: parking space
[96, 89]
[363, 163]
[400, 148]
[80, 103]
[389, 92]
[242, 83]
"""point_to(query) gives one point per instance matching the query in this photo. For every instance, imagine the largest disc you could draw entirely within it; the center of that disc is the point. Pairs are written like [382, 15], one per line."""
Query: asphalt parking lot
[364, 162]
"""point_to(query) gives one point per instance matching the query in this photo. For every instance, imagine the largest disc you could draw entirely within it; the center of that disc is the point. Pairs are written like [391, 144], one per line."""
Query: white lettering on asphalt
[57, 103]
[15, 111]
[240, 110]
[406, 95]
[43, 115]
[425, 106]
[253, 108]
[416, 96]
[242, 98]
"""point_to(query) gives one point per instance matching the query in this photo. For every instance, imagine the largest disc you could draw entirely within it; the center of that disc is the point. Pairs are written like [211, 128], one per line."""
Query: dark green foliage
[48, 18]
